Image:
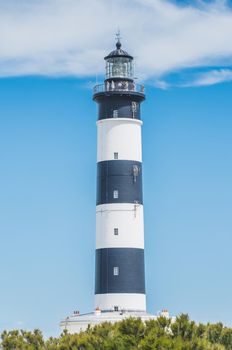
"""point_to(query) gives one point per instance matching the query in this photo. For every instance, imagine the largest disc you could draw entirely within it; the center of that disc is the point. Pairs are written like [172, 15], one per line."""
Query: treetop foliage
[129, 334]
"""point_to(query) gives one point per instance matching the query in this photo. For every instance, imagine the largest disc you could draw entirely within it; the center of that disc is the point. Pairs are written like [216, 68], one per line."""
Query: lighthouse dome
[118, 52]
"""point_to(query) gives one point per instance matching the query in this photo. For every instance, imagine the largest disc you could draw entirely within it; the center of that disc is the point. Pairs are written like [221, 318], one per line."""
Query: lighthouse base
[77, 323]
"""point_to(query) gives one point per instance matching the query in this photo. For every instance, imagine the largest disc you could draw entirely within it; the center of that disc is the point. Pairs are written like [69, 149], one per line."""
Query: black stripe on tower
[119, 270]
[119, 181]
[118, 106]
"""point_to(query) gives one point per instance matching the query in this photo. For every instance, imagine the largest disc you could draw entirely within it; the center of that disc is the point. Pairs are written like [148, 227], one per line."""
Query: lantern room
[119, 64]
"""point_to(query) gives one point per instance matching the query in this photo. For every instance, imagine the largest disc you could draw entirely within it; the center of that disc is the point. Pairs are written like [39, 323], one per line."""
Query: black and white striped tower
[119, 269]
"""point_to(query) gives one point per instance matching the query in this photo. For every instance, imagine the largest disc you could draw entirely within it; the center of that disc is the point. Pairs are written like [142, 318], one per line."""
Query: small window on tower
[116, 231]
[115, 113]
[116, 271]
[115, 155]
[116, 308]
[115, 194]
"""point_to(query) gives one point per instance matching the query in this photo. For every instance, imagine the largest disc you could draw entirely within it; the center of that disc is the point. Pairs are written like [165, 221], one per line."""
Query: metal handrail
[118, 86]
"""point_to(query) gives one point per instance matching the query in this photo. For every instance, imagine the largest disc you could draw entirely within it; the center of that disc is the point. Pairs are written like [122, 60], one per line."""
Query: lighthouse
[119, 264]
[119, 255]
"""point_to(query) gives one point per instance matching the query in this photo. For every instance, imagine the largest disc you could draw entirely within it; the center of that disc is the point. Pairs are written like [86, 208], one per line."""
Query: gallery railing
[119, 86]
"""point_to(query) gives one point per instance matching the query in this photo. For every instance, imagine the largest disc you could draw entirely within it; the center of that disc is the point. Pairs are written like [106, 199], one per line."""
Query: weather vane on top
[118, 36]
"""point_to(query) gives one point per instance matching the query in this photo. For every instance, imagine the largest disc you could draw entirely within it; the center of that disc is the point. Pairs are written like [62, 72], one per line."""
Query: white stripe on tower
[119, 225]
[121, 136]
[124, 301]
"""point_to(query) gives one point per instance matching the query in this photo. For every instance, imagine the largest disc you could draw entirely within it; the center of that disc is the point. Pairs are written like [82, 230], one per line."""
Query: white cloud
[212, 77]
[162, 84]
[71, 37]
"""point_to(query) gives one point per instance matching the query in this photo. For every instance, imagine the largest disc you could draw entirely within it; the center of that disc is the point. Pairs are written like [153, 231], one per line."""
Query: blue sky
[48, 157]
